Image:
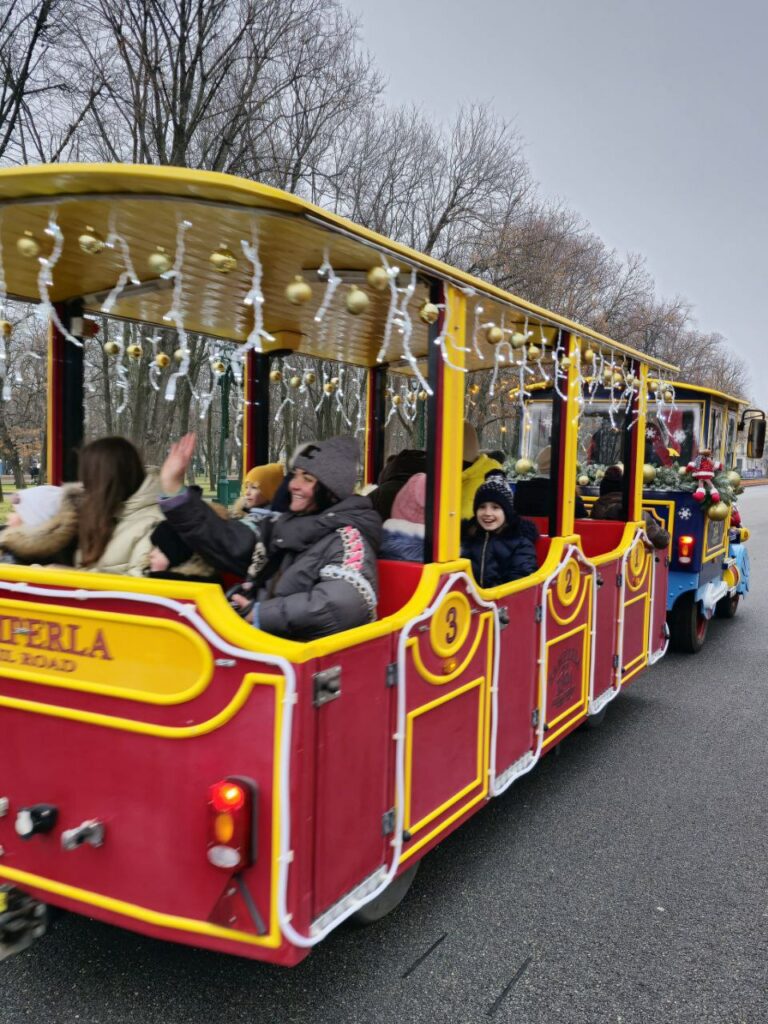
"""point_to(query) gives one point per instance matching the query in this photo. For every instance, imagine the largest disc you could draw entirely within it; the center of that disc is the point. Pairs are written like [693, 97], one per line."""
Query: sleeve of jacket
[227, 544]
[522, 560]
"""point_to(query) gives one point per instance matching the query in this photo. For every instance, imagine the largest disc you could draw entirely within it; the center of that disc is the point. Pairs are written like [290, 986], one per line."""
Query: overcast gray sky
[647, 117]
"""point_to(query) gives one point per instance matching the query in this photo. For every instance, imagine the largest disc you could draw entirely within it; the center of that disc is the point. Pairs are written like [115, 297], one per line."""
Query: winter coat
[397, 472]
[127, 552]
[611, 506]
[503, 556]
[471, 478]
[532, 498]
[402, 541]
[52, 542]
[313, 575]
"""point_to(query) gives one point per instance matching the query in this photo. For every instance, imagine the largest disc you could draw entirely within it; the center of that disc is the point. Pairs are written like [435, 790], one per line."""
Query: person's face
[253, 496]
[490, 516]
[158, 562]
[302, 489]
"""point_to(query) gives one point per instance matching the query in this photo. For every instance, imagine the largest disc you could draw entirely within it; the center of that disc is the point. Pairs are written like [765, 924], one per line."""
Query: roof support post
[66, 411]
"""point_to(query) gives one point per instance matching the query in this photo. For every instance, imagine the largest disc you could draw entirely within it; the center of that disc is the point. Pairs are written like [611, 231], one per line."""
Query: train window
[24, 409]
[715, 429]
[730, 441]
[672, 436]
[601, 437]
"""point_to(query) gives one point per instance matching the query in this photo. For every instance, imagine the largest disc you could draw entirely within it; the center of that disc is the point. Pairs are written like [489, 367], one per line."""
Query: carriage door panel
[607, 604]
[638, 568]
[353, 768]
[517, 679]
[448, 667]
[567, 645]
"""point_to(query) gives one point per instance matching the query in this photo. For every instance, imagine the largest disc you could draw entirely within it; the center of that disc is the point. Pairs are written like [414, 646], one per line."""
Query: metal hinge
[391, 676]
[538, 613]
[503, 617]
[388, 822]
[535, 717]
[620, 579]
[615, 661]
[327, 685]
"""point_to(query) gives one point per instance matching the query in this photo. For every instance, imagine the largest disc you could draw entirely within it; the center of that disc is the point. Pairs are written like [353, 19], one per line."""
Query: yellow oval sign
[450, 625]
[568, 583]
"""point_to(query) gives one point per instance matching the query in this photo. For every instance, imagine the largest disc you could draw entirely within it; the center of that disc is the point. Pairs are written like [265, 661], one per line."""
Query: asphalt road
[625, 880]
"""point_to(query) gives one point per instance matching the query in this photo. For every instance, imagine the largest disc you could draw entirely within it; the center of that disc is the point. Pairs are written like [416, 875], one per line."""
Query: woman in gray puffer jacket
[312, 571]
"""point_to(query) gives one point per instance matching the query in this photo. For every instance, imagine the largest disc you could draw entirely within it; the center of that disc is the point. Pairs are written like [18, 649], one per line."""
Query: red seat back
[397, 584]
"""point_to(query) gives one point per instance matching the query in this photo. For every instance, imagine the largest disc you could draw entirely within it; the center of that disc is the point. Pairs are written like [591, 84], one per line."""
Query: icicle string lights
[128, 274]
[45, 278]
[254, 299]
[332, 282]
[175, 314]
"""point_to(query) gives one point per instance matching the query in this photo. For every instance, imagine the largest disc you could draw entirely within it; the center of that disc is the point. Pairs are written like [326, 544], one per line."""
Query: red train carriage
[166, 767]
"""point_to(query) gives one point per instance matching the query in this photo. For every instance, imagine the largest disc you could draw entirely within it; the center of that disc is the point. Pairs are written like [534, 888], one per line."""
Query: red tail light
[232, 823]
[685, 547]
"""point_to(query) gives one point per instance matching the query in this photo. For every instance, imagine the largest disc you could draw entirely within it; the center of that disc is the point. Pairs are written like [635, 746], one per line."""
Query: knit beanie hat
[496, 488]
[411, 499]
[170, 543]
[267, 478]
[471, 445]
[612, 481]
[333, 462]
[36, 505]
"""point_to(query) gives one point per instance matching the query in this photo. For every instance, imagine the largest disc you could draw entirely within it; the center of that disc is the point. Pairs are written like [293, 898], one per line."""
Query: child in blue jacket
[500, 545]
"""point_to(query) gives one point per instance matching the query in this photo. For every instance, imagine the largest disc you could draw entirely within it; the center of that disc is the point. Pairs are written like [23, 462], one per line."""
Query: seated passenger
[532, 496]
[500, 545]
[399, 469]
[610, 505]
[42, 526]
[171, 559]
[312, 571]
[476, 466]
[118, 510]
[261, 485]
[403, 536]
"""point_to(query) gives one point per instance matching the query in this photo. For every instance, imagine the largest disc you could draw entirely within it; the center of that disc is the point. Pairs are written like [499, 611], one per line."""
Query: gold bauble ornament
[378, 279]
[718, 512]
[599, 474]
[428, 312]
[422, 396]
[329, 387]
[668, 395]
[162, 360]
[219, 366]
[357, 301]
[298, 291]
[565, 362]
[159, 262]
[134, 351]
[523, 466]
[180, 354]
[518, 340]
[733, 478]
[275, 376]
[474, 389]
[91, 242]
[534, 351]
[335, 381]
[396, 400]
[223, 260]
[649, 474]
[588, 356]
[310, 378]
[111, 348]
[5, 328]
[295, 381]
[607, 375]
[494, 335]
[618, 379]
[28, 246]
[583, 481]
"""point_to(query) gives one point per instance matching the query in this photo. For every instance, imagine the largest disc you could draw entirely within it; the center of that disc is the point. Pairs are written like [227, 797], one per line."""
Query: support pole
[66, 411]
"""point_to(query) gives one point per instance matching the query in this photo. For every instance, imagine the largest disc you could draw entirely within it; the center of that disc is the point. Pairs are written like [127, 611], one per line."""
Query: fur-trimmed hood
[46, 542]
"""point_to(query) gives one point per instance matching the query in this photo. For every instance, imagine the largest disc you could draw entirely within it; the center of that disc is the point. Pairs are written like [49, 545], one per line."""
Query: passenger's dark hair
[110, 470]
[324, 498]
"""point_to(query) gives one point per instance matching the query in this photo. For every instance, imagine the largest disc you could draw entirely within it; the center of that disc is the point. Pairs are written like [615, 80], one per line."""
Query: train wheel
[687, 626]
[727, 606]
[384, 904]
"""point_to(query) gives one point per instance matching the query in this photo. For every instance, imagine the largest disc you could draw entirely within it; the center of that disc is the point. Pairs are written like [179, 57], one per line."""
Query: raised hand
[174, 469]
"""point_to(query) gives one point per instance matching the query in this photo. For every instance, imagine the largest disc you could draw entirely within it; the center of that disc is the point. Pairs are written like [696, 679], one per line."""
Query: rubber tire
[727, 606]
[687, 626]
[595, 721]
[387, 901]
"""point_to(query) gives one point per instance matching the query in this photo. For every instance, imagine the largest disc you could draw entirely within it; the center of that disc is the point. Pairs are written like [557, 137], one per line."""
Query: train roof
[681, 385]
[147, 203]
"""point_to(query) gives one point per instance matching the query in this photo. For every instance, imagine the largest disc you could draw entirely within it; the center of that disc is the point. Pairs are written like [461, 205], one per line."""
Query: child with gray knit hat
[500, 545]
